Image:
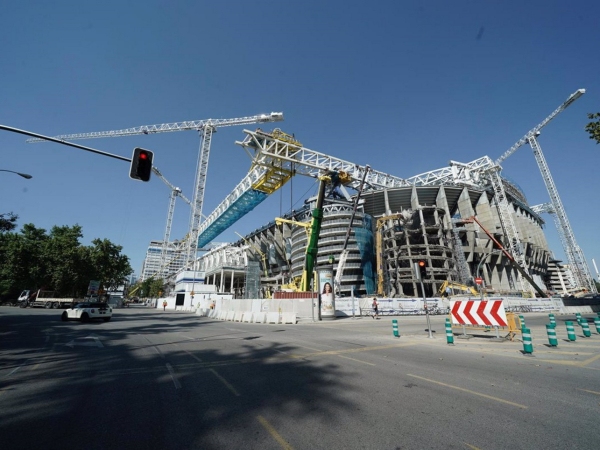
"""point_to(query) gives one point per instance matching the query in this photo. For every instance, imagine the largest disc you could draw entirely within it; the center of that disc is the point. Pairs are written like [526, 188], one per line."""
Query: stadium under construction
[466, 223]
[394, 228]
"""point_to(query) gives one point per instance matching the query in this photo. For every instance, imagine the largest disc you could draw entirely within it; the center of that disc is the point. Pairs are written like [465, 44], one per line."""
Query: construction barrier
[288, 318]
[273, 317]
[570, 330]
[522, 320]
[527, 344]
[449, 333]
[482, 315]
[551, 330]
[586, 328]
[395, 328]
[247, 317]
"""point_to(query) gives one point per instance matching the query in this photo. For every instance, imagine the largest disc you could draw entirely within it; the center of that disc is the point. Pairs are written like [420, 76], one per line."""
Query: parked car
[88, 311]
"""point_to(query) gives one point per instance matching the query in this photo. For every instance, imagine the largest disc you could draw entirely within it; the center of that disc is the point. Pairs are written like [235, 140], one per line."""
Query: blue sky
[404, 86]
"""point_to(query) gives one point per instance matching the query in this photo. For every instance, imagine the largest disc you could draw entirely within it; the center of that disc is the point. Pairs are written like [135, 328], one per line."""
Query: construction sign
[478, 312]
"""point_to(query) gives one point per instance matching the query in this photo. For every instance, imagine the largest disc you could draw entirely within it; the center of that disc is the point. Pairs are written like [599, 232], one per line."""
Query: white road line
[13, 371]
[172, 373]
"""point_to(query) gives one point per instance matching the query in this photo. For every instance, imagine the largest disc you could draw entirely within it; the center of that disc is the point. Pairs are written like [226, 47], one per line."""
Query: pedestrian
[164, 305]
[375, 309]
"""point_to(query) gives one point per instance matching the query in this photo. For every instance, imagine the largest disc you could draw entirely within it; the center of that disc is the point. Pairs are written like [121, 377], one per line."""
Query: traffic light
[141, 164]
[422, 264]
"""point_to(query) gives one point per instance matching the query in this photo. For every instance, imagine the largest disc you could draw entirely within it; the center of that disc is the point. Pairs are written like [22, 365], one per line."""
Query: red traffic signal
[422, 265]
[141, 164]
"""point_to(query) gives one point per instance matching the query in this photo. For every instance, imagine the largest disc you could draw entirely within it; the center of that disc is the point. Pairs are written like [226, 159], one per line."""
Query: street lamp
[24, 175]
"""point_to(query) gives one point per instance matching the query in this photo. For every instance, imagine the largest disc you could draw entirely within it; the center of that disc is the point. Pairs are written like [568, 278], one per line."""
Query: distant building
[174, 260]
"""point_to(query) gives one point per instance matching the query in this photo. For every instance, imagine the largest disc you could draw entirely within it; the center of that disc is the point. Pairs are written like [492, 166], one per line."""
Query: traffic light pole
[420, 269]
[426, 310]
[59, 141]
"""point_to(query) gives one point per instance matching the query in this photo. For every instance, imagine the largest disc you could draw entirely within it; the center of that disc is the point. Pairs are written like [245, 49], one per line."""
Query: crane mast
[175, 192]
[579, 267]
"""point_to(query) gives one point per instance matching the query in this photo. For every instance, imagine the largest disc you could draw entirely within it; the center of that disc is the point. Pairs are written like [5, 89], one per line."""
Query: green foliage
[593, 128]
[33, 259]
[151, 287]
[8, 221]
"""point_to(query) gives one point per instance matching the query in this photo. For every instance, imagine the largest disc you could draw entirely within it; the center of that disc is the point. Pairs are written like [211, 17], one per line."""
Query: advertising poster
[326, 293]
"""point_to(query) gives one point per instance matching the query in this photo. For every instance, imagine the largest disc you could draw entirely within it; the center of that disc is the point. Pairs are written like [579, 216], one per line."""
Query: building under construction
[392, 230]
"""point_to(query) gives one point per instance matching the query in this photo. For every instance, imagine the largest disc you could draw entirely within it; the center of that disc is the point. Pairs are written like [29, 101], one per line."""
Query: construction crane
[206, 128]
[525, 139]
[175, 192]
[575, 256]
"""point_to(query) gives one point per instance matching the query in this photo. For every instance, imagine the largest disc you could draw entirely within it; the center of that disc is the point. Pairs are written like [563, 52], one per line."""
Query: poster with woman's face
[327, 294]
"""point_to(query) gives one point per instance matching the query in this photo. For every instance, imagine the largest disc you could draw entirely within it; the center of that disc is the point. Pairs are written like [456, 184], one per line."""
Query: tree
[65, 261]
[593, 128]
[33, 259]
[23, 260]
[8, 221]
[110, 267]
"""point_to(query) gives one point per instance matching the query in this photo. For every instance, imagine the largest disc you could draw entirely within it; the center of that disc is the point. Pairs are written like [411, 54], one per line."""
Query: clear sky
[404, 86]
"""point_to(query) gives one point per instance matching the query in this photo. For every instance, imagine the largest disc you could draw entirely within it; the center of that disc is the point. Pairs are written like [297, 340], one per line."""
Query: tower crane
[579, 267]
[175, 192]
[206, 128]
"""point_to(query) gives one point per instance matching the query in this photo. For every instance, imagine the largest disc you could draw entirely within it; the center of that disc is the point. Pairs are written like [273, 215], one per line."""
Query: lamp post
[24, 175]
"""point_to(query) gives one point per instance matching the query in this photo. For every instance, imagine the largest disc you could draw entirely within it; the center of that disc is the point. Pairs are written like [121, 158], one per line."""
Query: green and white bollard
[449, 334]
[551, 330]
[395, 328]
[586, 328]
[527, 345]
[578, 317]
[597, 323]
[570, 330]
[552, 320]
[522, 320]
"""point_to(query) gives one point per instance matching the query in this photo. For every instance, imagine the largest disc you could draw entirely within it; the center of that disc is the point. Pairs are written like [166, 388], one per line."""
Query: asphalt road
[171, 380]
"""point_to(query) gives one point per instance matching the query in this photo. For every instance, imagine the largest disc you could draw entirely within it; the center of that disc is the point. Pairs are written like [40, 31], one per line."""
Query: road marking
[353, 350]
[13, 371]
[469, 391]
[193, 356]
[172, 373]
[586, 390]
[274, 434]
[589, 360]
[224, 381]
[310, 348]
[472, 447]
[357, 360]
[92, 341]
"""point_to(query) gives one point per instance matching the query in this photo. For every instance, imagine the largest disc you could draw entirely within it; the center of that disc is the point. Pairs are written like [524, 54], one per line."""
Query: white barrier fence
[293, 310]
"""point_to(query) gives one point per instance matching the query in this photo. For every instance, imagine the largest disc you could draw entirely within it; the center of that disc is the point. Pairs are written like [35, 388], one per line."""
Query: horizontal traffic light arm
[59, 141]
